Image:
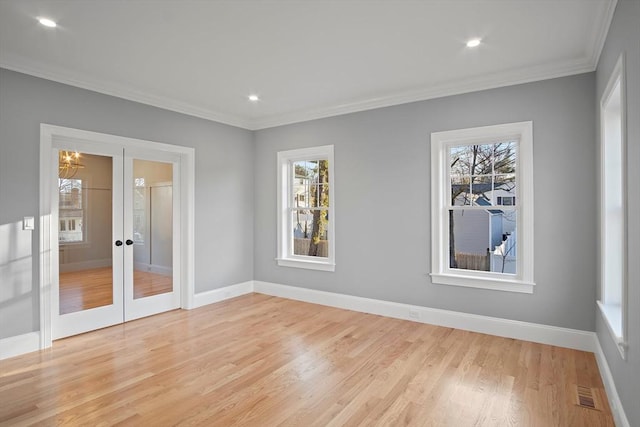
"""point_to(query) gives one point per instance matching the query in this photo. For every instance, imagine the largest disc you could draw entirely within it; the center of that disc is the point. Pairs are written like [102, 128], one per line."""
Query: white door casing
[182, 158]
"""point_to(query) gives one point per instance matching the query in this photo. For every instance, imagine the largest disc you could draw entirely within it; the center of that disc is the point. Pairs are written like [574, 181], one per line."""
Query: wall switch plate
[28, 223]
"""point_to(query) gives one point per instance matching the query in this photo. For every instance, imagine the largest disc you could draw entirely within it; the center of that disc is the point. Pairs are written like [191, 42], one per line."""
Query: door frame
[48, 172]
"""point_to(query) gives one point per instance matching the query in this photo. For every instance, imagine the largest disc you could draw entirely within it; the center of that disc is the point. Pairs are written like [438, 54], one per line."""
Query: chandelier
[68, 164]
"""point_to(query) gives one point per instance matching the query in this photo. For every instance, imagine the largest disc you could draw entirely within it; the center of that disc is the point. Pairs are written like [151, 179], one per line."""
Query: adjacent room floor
[258, 360]
[85, 289]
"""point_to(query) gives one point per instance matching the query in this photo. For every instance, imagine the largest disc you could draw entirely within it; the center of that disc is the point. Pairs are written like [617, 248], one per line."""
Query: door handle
[129, 242]
[118, 242]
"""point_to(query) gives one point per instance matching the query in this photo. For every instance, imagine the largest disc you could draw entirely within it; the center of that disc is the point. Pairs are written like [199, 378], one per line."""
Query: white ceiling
[306, 59]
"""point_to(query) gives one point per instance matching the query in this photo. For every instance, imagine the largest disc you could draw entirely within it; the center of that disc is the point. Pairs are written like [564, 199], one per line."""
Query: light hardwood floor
[85, 289]
[264, 361]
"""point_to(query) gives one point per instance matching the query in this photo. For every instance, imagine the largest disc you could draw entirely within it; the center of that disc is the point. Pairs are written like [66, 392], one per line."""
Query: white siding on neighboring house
[471, 229]
[497, 228]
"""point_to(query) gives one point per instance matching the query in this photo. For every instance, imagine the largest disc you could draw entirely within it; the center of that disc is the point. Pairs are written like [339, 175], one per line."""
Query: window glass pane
[481, 173]
[482, 159]
[306, 169]
[504, 190]
[483, 240]
[481, 189]
[301, 192]
[70, 193]
[319, 195]
[504, 157]
[310, 232]
[310, 187]
[460, 158]
[70, 210]
[460, 190]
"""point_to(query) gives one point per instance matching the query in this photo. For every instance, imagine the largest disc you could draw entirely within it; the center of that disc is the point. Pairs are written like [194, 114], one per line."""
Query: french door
[116, 222]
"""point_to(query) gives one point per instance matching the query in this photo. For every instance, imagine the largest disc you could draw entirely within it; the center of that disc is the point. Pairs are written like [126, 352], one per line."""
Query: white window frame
[285, 257]
[441, 273]
[614, 309]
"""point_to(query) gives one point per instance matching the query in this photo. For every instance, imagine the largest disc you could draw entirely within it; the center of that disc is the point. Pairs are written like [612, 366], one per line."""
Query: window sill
[493, 284]
[612, 315]
[309, 265]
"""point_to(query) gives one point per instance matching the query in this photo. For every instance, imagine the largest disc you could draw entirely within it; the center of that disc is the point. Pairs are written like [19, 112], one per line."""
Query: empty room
[320, 213]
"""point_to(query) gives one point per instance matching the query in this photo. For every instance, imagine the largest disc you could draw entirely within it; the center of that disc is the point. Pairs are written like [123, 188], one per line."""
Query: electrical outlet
[414, 314]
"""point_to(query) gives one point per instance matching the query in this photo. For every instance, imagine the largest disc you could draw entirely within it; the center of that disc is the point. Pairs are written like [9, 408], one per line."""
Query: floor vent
[585, 397]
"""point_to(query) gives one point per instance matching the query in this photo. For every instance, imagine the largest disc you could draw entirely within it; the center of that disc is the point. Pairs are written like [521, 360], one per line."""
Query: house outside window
[482, 201]
[70, 211]
[306, 216]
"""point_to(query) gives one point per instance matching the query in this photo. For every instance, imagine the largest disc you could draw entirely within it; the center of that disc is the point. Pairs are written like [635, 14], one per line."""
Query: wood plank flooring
[85, 289]
[264, 361]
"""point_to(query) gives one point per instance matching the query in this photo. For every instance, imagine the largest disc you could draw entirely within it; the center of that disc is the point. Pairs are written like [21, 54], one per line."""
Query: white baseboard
[157, 269]
[221, 294]
[85, 265]
[20, 344]
[620, 417]
[552, 335]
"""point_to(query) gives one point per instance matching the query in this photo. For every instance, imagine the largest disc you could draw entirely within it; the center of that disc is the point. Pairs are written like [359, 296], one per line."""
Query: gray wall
[223, 193]
[383, 213]
[624, 36]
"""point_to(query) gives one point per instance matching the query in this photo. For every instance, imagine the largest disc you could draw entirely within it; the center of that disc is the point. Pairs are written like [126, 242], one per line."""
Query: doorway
[118, 230]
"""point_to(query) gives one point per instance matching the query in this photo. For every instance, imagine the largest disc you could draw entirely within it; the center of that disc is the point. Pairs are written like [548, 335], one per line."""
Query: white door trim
[187, 182]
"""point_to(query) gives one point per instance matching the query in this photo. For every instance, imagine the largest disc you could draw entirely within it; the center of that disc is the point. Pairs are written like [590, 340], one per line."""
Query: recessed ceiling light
[254, 98]
[47, 22]
[473, 43]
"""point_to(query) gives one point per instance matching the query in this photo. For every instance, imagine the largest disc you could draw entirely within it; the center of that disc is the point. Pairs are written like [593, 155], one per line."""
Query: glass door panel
[88, 294]
[84, 231]
[152, 228]
[151, 212]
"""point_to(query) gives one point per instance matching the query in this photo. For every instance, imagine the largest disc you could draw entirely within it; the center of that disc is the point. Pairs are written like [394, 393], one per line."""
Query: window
[613, 242]
[70, 210]
[306, 216]
[482, 202]
[506, 200]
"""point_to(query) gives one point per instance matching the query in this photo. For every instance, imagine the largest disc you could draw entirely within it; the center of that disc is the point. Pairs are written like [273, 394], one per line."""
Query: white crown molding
[492, 81]
[15, 63]
[496, 80]
[600, 35]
